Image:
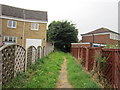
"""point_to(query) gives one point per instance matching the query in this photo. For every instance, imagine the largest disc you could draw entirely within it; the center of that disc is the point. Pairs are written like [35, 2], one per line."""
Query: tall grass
[77, 76]
[43, 74]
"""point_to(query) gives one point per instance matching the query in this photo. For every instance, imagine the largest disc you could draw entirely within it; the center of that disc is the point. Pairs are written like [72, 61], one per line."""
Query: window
[10, 39]
[14, 39]
[5, 38]
[114, 36]
[11, 24]
[34, 26]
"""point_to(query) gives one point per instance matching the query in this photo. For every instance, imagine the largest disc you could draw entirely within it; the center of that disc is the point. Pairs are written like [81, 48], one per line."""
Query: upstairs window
[34, 26]
[10, 39]
[11, 24]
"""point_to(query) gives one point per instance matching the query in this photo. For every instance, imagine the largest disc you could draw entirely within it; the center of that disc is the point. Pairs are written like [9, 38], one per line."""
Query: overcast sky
[88, 15]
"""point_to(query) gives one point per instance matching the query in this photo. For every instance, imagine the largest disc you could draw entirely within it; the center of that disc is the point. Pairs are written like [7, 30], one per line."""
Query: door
[33, 42]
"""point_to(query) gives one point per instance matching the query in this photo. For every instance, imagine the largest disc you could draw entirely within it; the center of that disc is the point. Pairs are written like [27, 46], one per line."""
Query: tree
[62, 33]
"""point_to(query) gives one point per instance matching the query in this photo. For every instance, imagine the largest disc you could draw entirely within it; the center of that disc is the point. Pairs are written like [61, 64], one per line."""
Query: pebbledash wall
[23, 32]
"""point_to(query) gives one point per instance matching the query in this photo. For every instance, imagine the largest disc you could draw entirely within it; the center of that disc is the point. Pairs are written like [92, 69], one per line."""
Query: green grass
[77, 77]
[43, 74]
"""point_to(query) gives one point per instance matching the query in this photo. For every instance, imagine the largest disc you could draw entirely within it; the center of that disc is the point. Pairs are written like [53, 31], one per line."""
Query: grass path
[63, 80]
[46, 72]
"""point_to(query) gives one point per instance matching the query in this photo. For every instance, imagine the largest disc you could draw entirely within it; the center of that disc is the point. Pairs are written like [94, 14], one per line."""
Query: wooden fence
[105, 61]
[14, 59]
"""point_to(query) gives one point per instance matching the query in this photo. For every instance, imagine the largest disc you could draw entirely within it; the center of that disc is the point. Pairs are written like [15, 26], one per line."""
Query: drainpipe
[23, 33]
[1, 24]
[93, 39]
[23, 28]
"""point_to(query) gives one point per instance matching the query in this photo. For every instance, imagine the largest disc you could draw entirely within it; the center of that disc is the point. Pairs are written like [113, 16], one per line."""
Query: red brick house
[101, 36]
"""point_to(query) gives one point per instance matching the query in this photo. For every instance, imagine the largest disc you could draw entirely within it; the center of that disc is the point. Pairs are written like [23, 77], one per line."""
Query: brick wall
[18, 32]
[103, 39]
[40, 34]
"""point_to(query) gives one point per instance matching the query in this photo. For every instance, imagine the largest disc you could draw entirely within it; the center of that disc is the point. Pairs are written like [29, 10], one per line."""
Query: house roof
[20, 13]
[100, 30]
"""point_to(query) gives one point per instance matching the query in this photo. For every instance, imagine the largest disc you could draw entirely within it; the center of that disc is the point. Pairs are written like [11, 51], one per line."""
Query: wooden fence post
[26, 60]
[78, 53]
[73, 51]
[81, 52]
[87, 58]
[98, 52]
[0, 69]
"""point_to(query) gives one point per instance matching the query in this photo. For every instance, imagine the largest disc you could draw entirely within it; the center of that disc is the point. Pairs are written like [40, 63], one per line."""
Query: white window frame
[114, 36]
[33, 27]
[12, 39]
[12, 24]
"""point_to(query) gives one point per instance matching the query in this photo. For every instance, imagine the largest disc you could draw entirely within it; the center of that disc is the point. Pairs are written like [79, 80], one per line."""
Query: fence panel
[93, 59]
[112, 67]
[90, 58]
[93, 54]
[84, 50]
[117, 69]
[79, 55]
[20, 54]
[13, 61]
[8, 57]
[108, 67]
[39, 52]
[31, 55]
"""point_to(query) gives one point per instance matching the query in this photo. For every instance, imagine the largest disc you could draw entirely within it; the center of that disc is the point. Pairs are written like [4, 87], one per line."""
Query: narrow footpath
[62, 80]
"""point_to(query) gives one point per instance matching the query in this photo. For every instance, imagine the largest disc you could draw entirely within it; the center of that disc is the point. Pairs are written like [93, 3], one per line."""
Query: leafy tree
[62, 33]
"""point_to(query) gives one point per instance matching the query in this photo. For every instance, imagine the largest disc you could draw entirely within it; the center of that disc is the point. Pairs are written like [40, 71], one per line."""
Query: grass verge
[43, 74]
[77, 77]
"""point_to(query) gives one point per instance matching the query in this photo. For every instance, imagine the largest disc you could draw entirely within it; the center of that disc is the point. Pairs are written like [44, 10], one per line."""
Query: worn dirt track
[62, 80]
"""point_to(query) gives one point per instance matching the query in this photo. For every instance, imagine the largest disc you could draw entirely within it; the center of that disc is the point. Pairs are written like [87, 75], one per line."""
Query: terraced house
[23, 27]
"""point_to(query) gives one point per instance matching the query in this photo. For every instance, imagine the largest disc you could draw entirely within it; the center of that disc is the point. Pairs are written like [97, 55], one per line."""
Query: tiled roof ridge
[22, 8]
[100, 30]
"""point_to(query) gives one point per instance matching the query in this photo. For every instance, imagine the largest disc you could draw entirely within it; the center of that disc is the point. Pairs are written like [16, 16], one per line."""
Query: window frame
[8, 39]
[12, 23]
[33, 27]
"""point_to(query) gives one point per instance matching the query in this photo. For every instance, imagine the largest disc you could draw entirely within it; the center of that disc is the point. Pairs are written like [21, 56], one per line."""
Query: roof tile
[19, 13]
